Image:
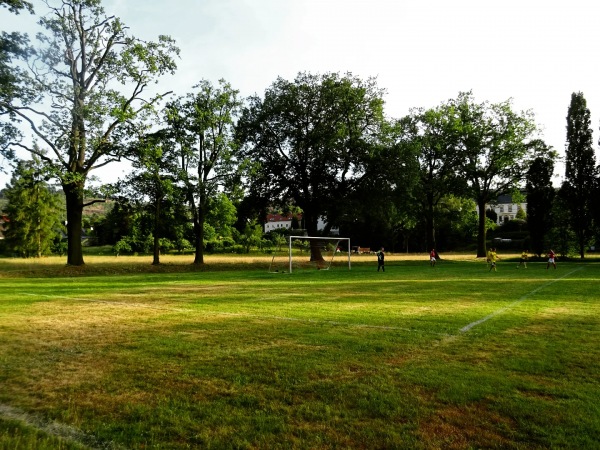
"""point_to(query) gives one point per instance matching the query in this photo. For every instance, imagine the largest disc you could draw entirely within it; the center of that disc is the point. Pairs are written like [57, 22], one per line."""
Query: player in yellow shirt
[523, 261]
[493, 257]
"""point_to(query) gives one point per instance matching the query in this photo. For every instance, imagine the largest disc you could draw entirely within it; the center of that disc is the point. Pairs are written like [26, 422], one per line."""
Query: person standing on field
[432, 257]
[551, 259]
[493, 258]
[523, 261]
[381, 260]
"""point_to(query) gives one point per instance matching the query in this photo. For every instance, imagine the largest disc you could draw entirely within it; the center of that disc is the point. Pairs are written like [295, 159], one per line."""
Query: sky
[422, 52]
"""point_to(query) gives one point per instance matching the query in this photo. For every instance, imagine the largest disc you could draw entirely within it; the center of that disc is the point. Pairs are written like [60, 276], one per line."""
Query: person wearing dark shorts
[381, 260]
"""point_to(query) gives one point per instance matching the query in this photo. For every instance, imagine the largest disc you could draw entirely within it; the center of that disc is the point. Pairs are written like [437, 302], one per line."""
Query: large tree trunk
[481, 234]
[315, 245]
[430, 225]
[74, 200]
[582, 242]
[199, 235]
[156, 242]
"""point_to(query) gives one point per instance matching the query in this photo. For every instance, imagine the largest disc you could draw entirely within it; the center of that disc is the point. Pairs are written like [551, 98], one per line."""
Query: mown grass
[125, 355]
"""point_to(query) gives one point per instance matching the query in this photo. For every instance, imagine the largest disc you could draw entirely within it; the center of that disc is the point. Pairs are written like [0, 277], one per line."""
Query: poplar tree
[581, 172]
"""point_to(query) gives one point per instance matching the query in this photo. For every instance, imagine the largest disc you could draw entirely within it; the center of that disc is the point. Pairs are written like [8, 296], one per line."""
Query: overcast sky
[423, 52]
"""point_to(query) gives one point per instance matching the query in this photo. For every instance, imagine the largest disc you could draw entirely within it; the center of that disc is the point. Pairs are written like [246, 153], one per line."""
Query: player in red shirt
[432, 257]
[551, 259]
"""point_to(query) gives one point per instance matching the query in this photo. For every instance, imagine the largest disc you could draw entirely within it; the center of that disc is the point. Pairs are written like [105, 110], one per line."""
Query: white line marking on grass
[520, 300]
[54, 428]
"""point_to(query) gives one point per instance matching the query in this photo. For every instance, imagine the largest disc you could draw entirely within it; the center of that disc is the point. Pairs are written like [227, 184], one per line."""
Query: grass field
[120, 354]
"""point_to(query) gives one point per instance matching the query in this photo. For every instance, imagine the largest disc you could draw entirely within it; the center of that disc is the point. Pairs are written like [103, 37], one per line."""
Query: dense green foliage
[581, 175]
[435, 133]
[34, 210]
[310, 142]
[540, 197]
[201, 127]
[494, 151]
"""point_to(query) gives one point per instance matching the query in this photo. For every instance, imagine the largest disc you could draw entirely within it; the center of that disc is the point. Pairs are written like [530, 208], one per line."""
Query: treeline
[208, 165]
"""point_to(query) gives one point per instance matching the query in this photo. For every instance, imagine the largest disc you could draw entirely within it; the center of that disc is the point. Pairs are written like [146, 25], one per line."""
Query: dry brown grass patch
[464, 427]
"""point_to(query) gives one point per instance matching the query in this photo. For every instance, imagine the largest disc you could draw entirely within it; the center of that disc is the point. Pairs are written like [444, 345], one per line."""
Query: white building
[506, 209]
[278, 221]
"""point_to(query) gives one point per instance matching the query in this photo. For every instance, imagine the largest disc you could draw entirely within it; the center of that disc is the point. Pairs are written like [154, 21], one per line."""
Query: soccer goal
[316, 252]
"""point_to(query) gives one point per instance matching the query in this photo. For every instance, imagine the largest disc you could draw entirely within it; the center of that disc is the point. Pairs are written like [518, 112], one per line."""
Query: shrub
[165, 245]
[122, 246]
[213, 246]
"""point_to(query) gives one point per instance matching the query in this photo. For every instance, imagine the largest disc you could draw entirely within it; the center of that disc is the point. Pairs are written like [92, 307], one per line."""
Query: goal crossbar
[337, 240]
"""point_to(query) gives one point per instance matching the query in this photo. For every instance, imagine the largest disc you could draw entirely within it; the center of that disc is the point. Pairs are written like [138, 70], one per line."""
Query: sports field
[120, 354]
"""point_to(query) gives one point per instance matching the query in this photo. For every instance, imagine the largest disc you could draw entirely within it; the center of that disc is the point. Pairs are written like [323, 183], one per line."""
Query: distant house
[506, 209]
[279, 221]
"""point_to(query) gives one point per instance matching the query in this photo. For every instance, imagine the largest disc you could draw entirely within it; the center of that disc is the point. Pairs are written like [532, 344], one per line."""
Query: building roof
[281, 217]
[507, 198]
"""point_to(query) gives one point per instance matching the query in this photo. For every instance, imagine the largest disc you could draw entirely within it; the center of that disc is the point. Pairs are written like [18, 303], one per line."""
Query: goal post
[322, 250]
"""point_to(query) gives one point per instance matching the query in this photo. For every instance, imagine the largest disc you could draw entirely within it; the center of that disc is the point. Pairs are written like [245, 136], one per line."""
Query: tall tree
[94, 76]
[34, 211]
[561, 235]
[380, 210]
[310, 141]
[540, 196]
[152, 182]
[435, 132]
[202, 125]
[581, 172]
[494, 149]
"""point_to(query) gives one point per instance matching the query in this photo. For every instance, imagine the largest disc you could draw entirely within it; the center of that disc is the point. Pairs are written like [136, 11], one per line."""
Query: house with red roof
[280, 221]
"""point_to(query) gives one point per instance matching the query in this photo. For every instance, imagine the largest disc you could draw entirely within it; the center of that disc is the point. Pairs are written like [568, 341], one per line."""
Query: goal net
[308, 252]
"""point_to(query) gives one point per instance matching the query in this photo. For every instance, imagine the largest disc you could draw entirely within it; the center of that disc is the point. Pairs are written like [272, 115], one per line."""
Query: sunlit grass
[133, 356]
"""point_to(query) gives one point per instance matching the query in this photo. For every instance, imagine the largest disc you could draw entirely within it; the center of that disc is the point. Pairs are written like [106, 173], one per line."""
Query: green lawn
[130, 356]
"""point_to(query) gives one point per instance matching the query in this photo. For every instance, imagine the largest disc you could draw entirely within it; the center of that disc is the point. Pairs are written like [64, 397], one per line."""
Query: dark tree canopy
[494, 150]
[381, 210]
[540, 196]
[311, 140]
[435, 133]
[581, 172]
